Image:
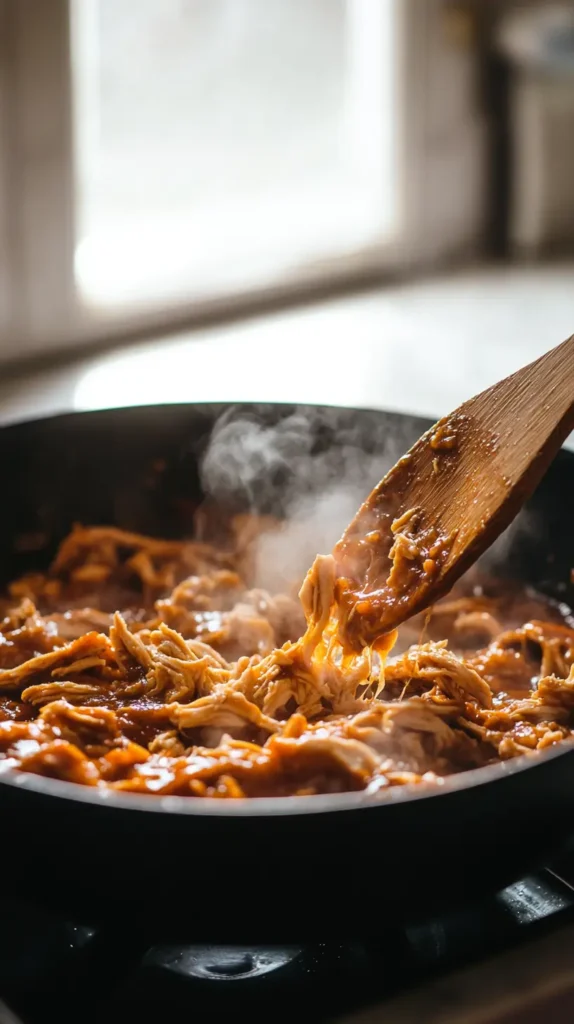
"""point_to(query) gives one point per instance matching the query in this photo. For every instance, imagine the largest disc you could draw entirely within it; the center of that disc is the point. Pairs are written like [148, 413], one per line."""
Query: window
[165, 159]
[221, 144]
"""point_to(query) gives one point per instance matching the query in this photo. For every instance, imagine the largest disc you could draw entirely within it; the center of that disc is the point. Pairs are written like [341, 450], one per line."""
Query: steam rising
[313, 466]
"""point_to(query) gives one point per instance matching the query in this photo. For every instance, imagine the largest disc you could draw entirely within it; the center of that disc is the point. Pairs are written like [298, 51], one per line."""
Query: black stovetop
[54, 970]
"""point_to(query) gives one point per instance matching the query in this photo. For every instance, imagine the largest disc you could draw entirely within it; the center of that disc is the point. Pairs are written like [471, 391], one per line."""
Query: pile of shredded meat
[200, 686]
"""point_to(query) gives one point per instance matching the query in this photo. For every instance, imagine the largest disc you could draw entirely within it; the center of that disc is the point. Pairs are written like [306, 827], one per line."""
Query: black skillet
[269, 869]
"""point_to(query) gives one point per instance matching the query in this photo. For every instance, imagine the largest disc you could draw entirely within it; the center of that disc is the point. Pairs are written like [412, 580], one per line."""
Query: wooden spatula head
[454, 492]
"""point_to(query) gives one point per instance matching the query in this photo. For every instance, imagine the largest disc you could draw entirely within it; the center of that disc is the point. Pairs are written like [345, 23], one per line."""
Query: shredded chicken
[155, 666]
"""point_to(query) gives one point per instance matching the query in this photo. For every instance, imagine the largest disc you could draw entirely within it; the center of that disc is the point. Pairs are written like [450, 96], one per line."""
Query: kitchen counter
[421, 347]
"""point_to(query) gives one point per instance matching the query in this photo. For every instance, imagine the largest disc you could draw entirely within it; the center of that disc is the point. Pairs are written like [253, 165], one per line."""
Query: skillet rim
[284, 806]
[264, 807]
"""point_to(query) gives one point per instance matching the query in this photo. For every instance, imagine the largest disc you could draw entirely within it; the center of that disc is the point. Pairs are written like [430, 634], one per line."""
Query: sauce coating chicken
[154, 667]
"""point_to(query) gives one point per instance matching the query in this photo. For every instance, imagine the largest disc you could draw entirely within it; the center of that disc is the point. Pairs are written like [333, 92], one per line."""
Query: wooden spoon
[448, 499]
